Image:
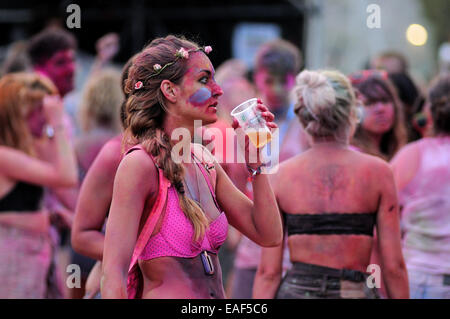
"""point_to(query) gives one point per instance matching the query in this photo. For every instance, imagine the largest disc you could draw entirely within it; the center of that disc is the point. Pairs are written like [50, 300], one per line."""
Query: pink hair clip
[138, 85]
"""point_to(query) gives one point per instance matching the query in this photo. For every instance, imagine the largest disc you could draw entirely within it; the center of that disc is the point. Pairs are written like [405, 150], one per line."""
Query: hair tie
[180, 187]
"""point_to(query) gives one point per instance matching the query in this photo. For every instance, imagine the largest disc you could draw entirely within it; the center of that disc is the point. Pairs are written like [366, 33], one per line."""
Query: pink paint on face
[36, 121]
[275, 88]
[60, 68]
[200, 80]
[379, 117]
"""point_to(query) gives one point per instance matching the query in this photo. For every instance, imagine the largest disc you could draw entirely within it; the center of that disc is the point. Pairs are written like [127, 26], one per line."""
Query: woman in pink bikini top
[168, 217]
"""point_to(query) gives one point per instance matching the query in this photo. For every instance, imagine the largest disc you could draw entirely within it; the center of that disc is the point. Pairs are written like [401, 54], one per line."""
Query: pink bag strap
[152, 218]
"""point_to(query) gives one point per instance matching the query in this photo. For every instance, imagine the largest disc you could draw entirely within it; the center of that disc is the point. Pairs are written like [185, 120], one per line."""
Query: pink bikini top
[175, 235]
[176, 232]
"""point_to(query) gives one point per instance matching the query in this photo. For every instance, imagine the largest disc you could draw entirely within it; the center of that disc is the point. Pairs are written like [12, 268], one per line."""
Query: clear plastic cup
[252, 123]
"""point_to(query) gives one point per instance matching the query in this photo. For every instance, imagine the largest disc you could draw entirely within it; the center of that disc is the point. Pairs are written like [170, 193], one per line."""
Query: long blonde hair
[102, 98]
[20, 93]
[145, 112]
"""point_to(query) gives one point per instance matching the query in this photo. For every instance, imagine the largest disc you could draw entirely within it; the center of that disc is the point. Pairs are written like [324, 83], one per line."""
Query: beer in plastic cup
[252, 122]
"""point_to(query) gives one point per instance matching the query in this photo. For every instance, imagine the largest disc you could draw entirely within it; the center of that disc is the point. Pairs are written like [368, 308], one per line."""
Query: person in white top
[422, 174]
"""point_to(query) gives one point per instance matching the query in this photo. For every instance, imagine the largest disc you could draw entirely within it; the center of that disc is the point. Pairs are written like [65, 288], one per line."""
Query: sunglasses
[362, 76]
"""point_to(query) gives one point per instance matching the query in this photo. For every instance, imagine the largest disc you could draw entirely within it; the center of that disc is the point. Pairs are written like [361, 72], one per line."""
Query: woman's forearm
[396, 281]
[265, 213]
[65, 156]
[266, 285]
[89, 243]
[113, 285]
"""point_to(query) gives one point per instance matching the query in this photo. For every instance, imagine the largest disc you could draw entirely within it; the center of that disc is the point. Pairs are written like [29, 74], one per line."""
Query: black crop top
[23, 197]
[330, 224]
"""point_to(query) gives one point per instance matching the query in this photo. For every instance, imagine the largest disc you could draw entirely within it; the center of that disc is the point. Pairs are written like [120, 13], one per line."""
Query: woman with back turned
[331, 198]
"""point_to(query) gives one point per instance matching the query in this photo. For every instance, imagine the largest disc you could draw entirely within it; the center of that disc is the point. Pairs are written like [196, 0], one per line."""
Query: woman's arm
[62, 172]
[94, 202]
[388, 227]
[135, 180]
[17, 165]
[270, 268]
[268, 274]
[259, 220]
[405, 165]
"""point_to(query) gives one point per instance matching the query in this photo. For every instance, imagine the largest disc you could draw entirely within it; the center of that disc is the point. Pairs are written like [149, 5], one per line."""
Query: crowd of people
[358, 206]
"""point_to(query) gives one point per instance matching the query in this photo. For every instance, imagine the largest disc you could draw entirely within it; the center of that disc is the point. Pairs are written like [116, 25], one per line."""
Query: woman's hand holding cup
[256, 121]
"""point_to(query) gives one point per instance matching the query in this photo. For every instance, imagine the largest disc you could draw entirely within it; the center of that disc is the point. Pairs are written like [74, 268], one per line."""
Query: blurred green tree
[438, 11]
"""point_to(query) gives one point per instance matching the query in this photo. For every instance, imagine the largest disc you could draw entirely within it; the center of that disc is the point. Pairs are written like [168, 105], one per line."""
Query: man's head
[277, 63]
[391, 61]
[52, 52]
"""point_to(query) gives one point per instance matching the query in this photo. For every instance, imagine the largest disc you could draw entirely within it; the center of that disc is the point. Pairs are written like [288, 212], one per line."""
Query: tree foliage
[438, 11]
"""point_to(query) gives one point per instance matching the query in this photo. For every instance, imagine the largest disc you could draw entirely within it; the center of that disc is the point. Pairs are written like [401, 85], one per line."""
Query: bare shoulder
[107, 160]
[285, 168]
[407, 153]
[371, 166]
[138, 171]
[138, 161]
[369, 160]
[111, 151]
[293, 162]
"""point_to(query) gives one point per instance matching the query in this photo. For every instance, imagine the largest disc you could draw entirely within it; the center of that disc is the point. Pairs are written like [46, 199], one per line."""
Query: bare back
[327, 180]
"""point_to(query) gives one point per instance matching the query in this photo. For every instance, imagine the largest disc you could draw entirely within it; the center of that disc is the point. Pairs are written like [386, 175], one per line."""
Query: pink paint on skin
[60, 68]
[36, 121]
[379, 117]
[207, 91]
[275, 87]
[290, 81]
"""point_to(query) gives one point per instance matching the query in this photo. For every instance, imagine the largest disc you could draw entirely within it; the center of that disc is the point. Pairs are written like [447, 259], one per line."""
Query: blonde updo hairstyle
[145, 111]
[325, 104]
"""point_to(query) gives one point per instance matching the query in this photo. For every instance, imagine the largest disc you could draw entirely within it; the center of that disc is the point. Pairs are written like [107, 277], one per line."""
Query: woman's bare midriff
[38, 221]
[181, 278]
